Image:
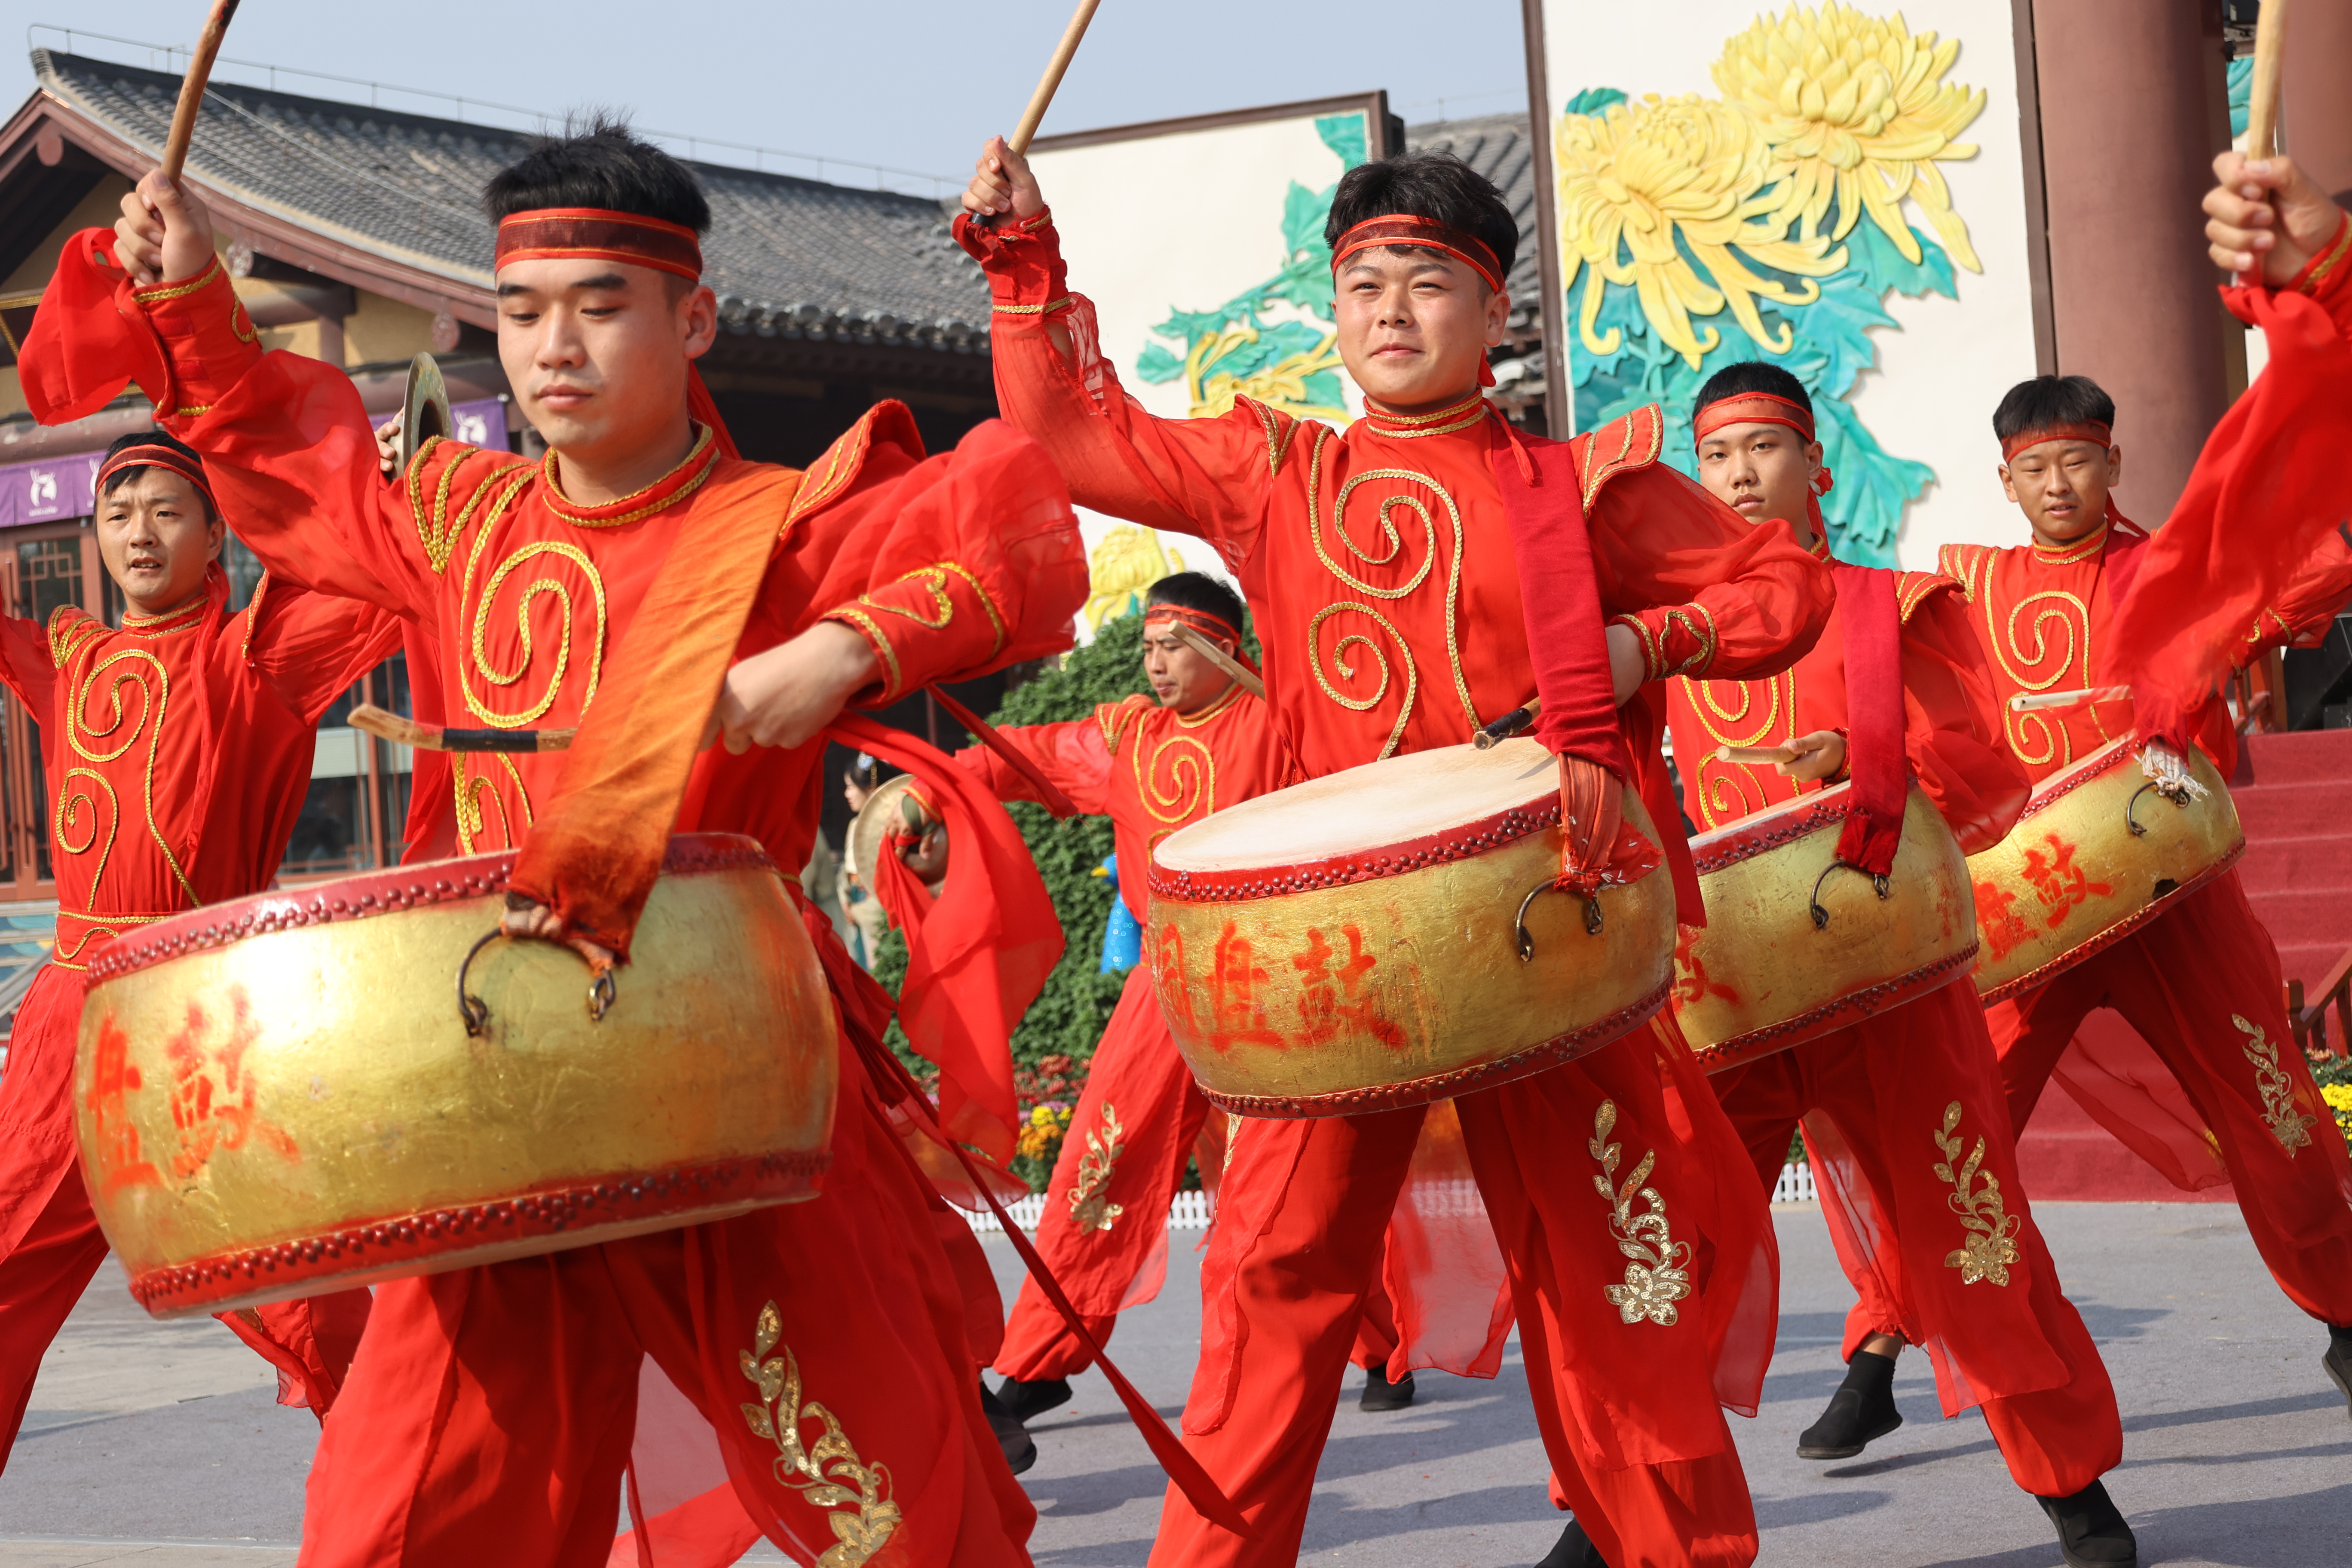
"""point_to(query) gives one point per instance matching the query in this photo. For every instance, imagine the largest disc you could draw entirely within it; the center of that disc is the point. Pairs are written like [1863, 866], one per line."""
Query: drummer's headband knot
[156, 457]
[2089, 430]
[596, 234]
[1422, 234]
[1751, 408]
[1202, 621]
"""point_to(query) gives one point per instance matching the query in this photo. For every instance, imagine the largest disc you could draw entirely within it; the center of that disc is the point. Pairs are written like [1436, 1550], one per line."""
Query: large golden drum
[2099, 852]
[1386, 936]
[1797, 943]
[351, 1082]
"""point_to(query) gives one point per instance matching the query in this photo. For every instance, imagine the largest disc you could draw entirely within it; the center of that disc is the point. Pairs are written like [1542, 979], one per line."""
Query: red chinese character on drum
[2061, 883]
[1321, 1012]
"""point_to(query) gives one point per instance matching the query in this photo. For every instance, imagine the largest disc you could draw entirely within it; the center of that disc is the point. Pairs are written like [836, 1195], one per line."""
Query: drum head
[876, 821]
[1365, 809]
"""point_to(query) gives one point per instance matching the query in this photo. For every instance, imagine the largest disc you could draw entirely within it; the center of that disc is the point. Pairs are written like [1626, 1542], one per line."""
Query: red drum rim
[1456, 1083]
[466, 1234]
[1835, 1014]
[1457, 843]
[379, 893]
[1768, 829]
[2064, 782]
[2114, 933]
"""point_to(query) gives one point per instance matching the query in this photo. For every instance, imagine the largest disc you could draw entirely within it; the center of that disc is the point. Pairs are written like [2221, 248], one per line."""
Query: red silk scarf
[1875, 760]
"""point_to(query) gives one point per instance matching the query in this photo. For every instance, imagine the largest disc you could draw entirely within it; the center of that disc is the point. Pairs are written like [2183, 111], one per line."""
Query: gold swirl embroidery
[482, 664]
[1659, 1274]
[2035, 737]
[1278, 433]
[1730, 791]
[153, 704]
[472, 789]
[935, 579]
[1992, 1245]
[2288, 1123]
[68, 814]
[1189, 771]
[828, 1475]
[1347, 672]
[1090, 1206]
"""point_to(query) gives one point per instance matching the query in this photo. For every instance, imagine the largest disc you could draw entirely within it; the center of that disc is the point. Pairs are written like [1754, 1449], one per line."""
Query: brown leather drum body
[1767, 973]
[281, 1096]
[1353, 943]
[2099, 852]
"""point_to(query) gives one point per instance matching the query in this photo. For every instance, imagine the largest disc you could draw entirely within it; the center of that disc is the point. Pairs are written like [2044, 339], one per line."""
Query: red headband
[595, 234]
[156, 457]
[1751, 408]
[1202, 621]
[2073, 431]
[1422, 234]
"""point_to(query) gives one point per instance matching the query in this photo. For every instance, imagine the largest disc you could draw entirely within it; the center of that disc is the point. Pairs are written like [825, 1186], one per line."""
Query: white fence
[1191, 1210]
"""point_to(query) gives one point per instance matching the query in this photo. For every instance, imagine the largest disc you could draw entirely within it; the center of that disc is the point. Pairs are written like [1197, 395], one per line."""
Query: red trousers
[50, 1245]
[2202, 986]
[1911, 1145]
[1619, 1155]
[488, 1420]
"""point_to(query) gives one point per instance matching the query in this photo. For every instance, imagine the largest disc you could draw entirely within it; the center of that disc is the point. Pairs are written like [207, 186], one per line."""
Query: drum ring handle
[1527, 939]
[2180, 800]
[1878, 882]
[602, 990]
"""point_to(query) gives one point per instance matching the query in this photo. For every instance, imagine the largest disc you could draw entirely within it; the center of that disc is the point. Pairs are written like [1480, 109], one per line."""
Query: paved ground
[158, 1446]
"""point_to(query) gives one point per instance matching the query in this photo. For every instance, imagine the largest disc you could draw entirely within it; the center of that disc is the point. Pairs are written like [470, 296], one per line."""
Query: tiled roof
[1495, 145]
[788, 257]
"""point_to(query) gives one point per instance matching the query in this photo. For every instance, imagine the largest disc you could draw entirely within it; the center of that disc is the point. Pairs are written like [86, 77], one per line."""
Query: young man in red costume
[2200, 983]
[1903, 1109]
[488, 1415]
[177, 749]
[1413, 578]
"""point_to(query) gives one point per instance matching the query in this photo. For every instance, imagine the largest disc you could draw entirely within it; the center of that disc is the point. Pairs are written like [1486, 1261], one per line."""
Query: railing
[2307, 1013]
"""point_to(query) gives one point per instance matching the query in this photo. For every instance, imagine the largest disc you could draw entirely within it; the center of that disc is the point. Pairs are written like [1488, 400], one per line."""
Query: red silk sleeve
[1208, 478]
[1952, 730]
[1072, 755]
[950, 567]
[309, 648]
[1709, 594]
[26, 667]
[2310, 602]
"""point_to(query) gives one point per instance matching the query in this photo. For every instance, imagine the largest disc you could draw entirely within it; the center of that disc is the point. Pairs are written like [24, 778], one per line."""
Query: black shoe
[1574, 1549]
[2091, 1533]
[1024, 1401]
[2337, 1361]
[1380, 1393]
[1861, 1412]
[1020, 1449]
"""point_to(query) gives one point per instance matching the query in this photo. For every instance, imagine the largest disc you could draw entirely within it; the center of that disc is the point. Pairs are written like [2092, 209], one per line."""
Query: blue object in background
[1123, 937]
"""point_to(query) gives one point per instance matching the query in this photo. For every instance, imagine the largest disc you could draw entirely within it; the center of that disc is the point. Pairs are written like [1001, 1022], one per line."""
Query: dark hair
[602, 164]
[1435, 186]
[121, 476]
[1752, 375]
[1198, 591]
[2049, 400]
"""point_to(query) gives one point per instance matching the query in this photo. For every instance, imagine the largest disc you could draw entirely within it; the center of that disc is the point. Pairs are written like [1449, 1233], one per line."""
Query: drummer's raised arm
[1054, 384]
[1710, 595]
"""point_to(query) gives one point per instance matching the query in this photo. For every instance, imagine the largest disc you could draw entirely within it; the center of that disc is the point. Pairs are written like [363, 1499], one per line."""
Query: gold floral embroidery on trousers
[829, 1475]
[1659, 1274]
[1992, 1245]
[1090, 1206]
[2290, 1125]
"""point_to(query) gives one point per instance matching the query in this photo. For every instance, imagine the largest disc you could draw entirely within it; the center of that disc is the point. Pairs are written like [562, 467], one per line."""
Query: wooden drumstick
[385, 725]
[192, 88]
[1048, 84]
[2030, 701]
[1756, 755]
[1508, 725]
[1201, 645]
[2263, 105]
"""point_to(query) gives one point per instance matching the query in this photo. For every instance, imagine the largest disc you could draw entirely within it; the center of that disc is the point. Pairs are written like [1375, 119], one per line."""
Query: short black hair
[599, 162]
[1199, 591]
[121, 476]
[1752, 375]
[2049, 400]
[1435, 186]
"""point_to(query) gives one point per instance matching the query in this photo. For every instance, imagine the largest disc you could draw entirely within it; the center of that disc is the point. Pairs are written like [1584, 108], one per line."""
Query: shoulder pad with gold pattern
[1912, 589]
[888, 423]
[1620, 447]
[1114, 716]
[1965, 564]
[1277, 426]
[449, 489]
[71, 629]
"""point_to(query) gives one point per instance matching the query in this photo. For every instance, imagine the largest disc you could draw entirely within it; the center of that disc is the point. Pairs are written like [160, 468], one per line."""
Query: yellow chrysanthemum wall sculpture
[1637, 178]
[1854, 106]
[1675, 212]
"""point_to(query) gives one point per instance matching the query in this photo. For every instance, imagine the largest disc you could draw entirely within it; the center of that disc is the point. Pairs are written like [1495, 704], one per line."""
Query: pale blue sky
[914, 84]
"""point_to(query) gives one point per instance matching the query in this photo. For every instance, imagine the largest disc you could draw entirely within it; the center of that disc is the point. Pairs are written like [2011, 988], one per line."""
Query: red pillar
[2316, 96]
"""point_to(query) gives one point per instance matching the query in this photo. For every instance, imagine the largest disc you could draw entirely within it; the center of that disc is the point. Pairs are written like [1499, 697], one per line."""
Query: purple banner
[49, 492]
[482, 424]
